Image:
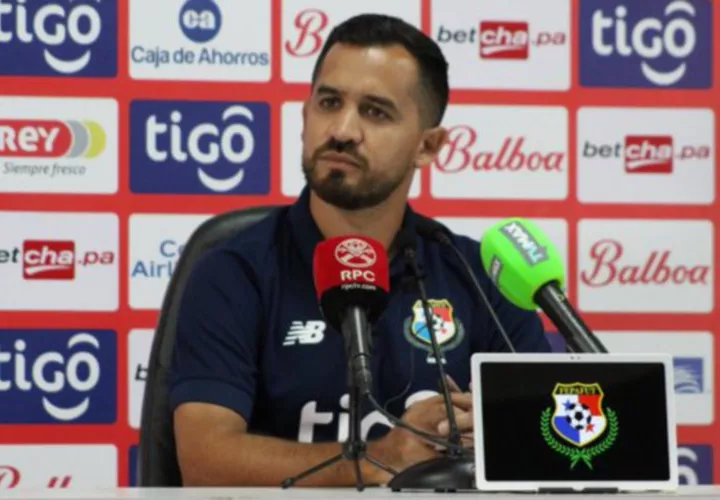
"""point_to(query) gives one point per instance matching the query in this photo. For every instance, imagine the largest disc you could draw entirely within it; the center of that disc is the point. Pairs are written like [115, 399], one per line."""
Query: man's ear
[304, 117]
[432, 142]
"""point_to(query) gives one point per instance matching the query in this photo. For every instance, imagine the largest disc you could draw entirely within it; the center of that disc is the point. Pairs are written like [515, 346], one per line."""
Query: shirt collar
[307, 235]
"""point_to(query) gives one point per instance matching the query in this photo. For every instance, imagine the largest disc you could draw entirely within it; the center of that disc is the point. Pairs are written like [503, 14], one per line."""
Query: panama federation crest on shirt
[578, 425]
[448, 329]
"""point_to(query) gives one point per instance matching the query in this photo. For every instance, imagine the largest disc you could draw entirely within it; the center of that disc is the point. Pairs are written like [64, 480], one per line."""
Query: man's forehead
[390, 71]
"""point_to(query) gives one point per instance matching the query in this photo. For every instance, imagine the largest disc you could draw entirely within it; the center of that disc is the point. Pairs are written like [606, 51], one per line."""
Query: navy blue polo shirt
[251, 336]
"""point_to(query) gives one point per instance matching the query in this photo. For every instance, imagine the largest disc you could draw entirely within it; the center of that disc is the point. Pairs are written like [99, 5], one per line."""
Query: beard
[334, 188]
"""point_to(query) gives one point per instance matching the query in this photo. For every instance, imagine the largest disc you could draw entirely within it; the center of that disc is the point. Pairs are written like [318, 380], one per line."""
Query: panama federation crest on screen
[578, 426]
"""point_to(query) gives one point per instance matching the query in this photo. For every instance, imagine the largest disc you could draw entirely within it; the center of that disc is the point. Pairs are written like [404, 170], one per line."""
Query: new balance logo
[309, 332]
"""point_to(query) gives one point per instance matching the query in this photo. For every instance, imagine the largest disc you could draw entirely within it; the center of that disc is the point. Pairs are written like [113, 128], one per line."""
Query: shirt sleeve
[215, 359]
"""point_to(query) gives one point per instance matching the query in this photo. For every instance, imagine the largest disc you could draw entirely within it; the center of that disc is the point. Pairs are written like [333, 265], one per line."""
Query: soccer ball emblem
[578, 416]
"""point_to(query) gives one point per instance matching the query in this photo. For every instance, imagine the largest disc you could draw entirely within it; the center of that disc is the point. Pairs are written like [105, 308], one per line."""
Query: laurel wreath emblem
[577, 454]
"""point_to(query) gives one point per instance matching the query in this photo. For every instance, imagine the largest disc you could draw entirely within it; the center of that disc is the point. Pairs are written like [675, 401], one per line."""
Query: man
[259, 388]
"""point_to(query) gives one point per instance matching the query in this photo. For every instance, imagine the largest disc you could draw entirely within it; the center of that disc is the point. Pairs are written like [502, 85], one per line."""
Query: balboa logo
[50, 376]
[646, 44]
[658, 268]
[459, 155]
[58, 38]
[199, 147]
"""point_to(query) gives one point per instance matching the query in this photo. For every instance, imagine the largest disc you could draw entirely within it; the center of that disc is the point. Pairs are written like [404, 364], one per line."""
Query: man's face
[362, 126]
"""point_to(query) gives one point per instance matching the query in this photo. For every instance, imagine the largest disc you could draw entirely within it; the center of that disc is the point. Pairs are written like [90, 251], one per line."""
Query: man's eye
[376, 112]
[329, 102]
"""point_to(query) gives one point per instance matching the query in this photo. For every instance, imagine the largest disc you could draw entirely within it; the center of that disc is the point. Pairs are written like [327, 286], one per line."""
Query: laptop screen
[559, 421]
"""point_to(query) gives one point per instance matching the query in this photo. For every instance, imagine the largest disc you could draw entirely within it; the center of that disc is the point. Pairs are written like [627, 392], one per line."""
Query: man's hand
[401, 448]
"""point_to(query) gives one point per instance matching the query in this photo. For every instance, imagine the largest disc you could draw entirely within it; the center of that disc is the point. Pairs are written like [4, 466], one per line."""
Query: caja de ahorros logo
[658, 43]
[58, 376]
[198, 147]
[58, 38]
[200, 22]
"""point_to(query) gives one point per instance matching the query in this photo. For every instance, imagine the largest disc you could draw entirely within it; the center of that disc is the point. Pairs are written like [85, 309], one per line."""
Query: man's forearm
[252, 460]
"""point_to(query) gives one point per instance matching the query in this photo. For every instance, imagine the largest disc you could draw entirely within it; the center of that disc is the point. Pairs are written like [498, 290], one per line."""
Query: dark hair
[366, 30]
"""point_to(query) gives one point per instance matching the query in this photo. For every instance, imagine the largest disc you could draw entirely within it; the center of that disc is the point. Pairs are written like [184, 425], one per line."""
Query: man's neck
[381, 222]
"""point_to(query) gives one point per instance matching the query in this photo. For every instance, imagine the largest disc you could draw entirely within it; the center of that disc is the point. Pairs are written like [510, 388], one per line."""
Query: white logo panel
[496, 44]
[139, 346]
[156, 242]
[642, 155]
[663, 266]
[56, 261]
[306, 26]
[208, 40]
[693, 362]
[58, 145]
[50, 466]
[292, 178]
[503, 152]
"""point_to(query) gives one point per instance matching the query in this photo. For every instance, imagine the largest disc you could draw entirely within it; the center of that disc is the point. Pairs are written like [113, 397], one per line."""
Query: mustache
[347, 148]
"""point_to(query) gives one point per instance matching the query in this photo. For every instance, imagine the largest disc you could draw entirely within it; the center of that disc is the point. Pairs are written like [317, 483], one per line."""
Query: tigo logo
[218, 40]
[51, 139]
[53, 376]
[695, 464]
[200, 20]
[59, 37]
[663, 43]
[199, 147]
[688, 375]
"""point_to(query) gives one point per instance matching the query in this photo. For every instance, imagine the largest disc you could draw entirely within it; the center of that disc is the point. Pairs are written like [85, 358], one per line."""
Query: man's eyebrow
[376, 99]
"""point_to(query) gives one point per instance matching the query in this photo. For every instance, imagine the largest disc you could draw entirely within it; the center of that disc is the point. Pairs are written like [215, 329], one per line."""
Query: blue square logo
[58, 376]
[58, 38]
[192, 147]
[646, 43]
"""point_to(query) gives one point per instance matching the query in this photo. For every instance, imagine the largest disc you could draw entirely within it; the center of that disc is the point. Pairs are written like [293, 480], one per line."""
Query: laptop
[574, 422]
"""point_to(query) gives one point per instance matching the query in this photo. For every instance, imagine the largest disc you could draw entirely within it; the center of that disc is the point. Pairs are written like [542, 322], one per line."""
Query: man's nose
[346, 127]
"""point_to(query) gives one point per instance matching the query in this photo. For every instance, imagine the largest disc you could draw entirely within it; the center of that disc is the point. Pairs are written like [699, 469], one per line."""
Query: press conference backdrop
[125, 124]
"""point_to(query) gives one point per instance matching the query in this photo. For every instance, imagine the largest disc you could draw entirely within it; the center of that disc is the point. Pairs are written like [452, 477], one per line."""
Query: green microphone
[527, 269]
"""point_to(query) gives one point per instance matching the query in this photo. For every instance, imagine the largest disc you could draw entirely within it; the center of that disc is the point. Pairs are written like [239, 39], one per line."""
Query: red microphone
[351, 275]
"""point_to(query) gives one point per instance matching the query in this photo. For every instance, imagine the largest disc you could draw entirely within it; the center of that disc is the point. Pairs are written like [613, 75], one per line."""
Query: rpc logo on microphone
[358, 254]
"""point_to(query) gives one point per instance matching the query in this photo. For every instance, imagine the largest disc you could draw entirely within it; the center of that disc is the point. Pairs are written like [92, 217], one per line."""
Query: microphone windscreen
[520, 259]
[351, 271]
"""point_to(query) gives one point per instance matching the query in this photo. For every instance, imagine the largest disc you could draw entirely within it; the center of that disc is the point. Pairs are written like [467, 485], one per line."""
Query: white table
[692, 492]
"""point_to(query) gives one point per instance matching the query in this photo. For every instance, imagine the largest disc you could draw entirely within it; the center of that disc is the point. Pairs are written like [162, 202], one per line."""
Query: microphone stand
[456, 470]
[354, 448]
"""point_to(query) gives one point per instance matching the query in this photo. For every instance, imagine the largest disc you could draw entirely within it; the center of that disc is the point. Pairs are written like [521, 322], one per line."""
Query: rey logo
[575, 426]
